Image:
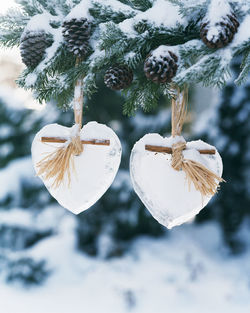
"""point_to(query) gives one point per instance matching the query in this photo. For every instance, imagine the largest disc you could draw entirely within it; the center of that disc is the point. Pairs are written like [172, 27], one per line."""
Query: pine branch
[142, 94]
[155, 36]
[122, 33]
[31, 7]
[245, 69]
[104, 12]
[192, 9]
[142, 5]
[11, 27]
[90, 85]
[210, 70]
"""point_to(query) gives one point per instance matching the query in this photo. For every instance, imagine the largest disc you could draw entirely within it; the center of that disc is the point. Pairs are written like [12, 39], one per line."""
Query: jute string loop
[204, 180]
[60, 162]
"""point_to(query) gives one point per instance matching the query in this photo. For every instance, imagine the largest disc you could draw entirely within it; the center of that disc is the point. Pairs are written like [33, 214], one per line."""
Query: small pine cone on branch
[221, 33]
[76, 33]
[32, 47]
[161, 65]
[118, 77]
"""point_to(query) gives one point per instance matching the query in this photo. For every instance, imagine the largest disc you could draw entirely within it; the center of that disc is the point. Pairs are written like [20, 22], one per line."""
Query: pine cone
[33, 46]
[162, 68]
[118, 77]
[220, 34]
[76, 33]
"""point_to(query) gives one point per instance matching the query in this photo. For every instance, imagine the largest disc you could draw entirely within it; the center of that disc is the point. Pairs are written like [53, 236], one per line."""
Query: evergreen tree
[23, 198]
[229, 131]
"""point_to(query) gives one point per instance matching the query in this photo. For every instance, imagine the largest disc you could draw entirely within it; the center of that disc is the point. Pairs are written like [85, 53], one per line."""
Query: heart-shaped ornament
[94, 169]
[164, 191]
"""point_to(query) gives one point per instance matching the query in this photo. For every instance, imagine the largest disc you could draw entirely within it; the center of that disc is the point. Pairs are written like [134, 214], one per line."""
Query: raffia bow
[204, 180]
[60, 162]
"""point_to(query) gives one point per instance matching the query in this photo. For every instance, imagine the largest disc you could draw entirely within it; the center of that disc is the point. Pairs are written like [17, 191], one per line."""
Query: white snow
[40, 22]
[127, 27]
[130, 55]
[226, 57]
[114, 5]
[117, 5]
[75, 131]
[81, 10]
[30, 80]
[217, 11]
[243, 33]
[10, 98]
[163, 190]
[163, 13]
[18, 217]
[14, 172]
[163, 50]
[187, 271]
[94, 169]
[77, 95]
[51, 51]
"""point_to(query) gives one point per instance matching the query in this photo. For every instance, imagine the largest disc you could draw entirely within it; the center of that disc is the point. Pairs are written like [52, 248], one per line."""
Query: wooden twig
[169, 150]
[96, 142]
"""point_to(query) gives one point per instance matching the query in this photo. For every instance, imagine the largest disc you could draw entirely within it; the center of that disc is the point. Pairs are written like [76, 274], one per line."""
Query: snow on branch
[206, 36]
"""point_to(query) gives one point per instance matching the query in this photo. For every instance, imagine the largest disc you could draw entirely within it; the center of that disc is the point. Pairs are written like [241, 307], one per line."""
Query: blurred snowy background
[115, 257]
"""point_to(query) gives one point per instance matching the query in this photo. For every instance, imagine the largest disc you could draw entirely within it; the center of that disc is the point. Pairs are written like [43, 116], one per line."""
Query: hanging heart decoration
[175, 179]
[77, 165]
[89, 174]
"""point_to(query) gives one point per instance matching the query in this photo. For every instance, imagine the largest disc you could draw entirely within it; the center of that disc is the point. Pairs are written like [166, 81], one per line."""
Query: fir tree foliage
[24, 201]
[125, 32]
[229, 130]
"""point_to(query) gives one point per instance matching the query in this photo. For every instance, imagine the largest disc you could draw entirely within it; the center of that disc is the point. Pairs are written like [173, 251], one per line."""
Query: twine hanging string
[204, 180]
[60, 162]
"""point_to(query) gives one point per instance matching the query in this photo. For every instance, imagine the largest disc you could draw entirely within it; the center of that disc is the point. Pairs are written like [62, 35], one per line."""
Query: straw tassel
[60, 162]
[204, 180]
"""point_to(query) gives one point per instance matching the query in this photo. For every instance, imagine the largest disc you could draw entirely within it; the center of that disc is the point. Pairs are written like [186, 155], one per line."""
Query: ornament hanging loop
[78, 111]
[179, 110]
[78, 98]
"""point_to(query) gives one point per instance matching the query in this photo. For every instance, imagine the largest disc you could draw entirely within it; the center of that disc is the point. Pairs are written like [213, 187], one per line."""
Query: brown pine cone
[162, 68]
[76, 33]
[32, 47]
[118, 77]
[220, 34]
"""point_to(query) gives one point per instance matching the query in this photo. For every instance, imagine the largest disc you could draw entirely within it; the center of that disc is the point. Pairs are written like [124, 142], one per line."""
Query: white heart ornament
[164, 191]
[95, 168]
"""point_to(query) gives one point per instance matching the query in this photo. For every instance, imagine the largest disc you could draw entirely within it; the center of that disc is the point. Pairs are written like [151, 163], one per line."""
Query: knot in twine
[61, 161]
[204, 180]
[177, 156]
[76, 145]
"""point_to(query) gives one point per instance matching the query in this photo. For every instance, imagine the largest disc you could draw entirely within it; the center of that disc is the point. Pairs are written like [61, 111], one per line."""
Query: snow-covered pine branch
[203, 35]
